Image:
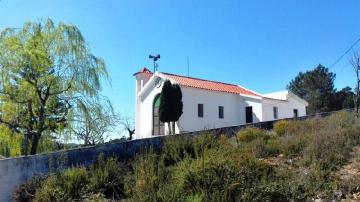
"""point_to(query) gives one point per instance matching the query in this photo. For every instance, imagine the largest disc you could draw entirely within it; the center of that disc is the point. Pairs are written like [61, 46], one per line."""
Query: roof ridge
[236, 85]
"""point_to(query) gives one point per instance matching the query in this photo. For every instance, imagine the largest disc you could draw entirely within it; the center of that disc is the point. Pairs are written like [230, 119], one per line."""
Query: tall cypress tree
[165, 108]
[177, 105]
[171, 105]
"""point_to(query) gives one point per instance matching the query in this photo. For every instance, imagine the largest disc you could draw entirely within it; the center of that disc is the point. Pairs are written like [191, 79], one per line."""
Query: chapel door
[249, 114]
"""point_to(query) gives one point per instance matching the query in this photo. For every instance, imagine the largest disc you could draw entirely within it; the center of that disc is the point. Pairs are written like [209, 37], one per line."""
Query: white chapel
[208, 104]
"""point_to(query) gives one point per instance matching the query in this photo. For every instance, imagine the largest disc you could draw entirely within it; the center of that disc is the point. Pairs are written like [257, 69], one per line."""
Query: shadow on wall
[255, 118]
[250, 115]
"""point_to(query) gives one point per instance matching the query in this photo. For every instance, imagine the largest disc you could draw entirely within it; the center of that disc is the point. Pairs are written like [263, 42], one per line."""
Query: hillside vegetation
[296, 161]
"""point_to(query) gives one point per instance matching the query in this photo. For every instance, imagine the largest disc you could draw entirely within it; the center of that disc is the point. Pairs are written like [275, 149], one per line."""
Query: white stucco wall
[234, 110]
[140, 82]
[145, 103]
[285, 108]
[256, 107]
[211, 100]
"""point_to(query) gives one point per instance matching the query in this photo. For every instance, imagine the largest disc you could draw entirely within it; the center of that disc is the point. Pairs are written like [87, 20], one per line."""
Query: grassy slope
[297, 161]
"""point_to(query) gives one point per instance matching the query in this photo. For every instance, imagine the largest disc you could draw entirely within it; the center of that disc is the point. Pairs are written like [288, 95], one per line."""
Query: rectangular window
[200, 110]
[275, 109]
[296, 113]
[221, 112]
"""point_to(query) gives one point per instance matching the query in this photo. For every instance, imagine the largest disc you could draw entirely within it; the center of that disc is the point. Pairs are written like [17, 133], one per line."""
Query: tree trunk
[169, 127]
[25, 145]
[357, 91]
[173, 128]
[131, 133]
[34, 144]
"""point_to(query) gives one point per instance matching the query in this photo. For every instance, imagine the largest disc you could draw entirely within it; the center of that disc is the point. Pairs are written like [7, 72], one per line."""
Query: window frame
[221, 112]
[200, 110]
[275, 112]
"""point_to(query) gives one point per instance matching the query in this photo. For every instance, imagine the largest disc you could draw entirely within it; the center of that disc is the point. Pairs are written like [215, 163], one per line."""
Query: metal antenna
[188, 66]
[155, 58]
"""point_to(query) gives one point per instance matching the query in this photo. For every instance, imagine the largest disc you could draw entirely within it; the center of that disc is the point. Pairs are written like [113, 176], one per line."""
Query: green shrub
[64, 186]
[148, 175]
[328, 148]
[273, 147]
[176, 148]
[281, 127]
[261, 148]
[204, 142]
[26, 191]
[257, 148]
[221, 175]
[107, 178]
[249, 134]
[293, 145]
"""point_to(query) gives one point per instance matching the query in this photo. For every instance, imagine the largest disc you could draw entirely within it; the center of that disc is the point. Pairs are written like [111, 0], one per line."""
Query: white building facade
[208, 104]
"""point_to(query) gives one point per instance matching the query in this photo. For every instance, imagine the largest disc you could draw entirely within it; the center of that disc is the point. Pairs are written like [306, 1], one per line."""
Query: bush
[273, 147]
[148, 175]
[176, 148]
[328, 148]
[293, 145]
[26, 191]
[249, 134]
[204, 142]
[221, 175]
[64, 186]
[107, 178]
[281, 127]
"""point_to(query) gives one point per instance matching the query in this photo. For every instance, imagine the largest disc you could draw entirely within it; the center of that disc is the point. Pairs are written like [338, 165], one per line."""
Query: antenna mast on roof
[188, 66]
[155, 58]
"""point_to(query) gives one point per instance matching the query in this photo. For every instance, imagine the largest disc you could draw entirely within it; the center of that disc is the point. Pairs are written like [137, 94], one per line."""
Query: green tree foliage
[10, 143]
[344, 99]
[171, 105]
[45, 70]
[177, 105]
[165, 108]
[315, 86]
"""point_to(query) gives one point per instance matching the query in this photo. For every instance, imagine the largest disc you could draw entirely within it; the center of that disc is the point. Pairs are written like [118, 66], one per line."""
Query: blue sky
[260, 45]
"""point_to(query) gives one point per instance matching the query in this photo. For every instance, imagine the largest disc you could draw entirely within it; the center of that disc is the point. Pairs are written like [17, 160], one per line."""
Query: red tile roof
[209, 85]
[143, 70]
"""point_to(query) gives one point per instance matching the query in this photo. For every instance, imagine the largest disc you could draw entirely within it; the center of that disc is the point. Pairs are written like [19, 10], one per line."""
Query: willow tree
[93, 120]
[45, 69]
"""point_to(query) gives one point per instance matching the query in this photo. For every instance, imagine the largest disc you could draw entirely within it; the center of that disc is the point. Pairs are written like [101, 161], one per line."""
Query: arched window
[158, 126]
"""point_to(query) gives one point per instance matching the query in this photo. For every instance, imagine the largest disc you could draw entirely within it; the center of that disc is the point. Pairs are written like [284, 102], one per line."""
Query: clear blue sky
[261, 45]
